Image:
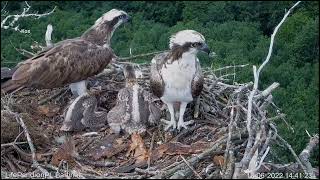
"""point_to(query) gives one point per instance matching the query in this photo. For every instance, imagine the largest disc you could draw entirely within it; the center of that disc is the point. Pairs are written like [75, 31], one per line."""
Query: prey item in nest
[135, 108]
[82, 113]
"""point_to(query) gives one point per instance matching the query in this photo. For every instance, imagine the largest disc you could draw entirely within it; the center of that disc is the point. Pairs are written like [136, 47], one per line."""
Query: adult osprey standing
[70, 61]
[176, 75]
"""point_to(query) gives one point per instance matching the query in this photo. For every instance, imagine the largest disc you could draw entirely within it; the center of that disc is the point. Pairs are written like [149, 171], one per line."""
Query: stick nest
[219, 145]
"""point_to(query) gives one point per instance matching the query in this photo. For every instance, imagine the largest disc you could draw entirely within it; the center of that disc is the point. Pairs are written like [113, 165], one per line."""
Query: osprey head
[116, 17]
[131, 75]
[190, 40]
[129, 72]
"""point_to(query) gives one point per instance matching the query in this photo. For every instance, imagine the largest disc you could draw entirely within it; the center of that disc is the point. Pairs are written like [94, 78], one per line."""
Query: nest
[221, 143]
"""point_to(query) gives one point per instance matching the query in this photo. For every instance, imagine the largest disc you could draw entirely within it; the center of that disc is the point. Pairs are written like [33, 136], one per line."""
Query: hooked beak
[205, 48]
[128, 18]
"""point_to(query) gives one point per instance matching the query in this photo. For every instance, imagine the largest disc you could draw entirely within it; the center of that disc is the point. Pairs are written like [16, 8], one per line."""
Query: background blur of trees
[238, 32]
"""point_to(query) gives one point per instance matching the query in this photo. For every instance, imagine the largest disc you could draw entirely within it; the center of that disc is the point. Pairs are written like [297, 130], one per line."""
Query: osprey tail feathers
[9, 86]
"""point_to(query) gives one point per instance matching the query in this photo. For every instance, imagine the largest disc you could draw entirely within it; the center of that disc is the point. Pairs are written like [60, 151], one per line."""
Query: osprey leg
[181, 123]
[172, 122]
[78, 88]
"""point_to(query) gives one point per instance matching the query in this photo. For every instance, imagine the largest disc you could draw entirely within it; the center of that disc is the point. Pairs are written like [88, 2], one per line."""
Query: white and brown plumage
[82, 114]
[70, 61]
[135, 109]
[176, 75]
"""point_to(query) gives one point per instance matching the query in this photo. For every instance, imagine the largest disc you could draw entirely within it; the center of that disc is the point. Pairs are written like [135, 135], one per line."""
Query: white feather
[135, 104]
[184, 36]
[108, 16]
[78, 88]
[178, 77]
[72, 106]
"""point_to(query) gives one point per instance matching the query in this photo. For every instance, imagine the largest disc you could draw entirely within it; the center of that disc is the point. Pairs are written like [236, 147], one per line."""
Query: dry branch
[6, 24]
[305, 154]
[252, 144]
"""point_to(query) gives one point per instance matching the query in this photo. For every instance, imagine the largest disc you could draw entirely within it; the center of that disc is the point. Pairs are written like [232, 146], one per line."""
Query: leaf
[109, 147]
[66, 152]
[218, 160]
[137, 148]
[48, 110]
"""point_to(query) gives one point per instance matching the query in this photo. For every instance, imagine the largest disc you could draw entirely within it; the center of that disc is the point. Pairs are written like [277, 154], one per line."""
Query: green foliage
[238, 32]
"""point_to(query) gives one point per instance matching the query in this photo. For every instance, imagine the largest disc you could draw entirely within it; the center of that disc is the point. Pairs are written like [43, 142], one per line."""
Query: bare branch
[305, 154]
[292, 152]
[6, 24]
[140, 55]
[256, 74]
[48, 35]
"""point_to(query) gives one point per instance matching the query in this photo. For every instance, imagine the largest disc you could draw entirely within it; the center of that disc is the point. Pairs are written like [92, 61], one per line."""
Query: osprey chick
[70, 61]
[135, 108]
[176, 76]
[82, 114]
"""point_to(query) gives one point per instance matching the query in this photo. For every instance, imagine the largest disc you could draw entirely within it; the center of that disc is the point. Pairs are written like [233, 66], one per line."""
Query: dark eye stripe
[196, 44]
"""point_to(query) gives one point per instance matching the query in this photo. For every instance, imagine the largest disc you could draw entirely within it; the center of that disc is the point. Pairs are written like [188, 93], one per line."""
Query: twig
[33, 153]
[192, 169]
[11, 144]
[53, 96]
[150, 149]
[228, 67]
[140, 55]
[146, 171]
[292, 152]
[95, 163]
[267, 91]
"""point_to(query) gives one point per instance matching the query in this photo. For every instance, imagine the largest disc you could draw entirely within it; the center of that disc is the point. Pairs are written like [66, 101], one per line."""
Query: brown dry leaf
[137, 148]
[66, 152]
[48, 110]
[109, 147]
[218, 160]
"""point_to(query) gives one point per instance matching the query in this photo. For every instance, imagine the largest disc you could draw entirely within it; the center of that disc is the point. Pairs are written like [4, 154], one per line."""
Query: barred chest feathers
[178, 77]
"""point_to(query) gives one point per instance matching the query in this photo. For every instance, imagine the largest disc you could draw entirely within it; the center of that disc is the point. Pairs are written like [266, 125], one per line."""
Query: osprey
[135, 109]
[176, 76]
[70, 61]
[82, 113]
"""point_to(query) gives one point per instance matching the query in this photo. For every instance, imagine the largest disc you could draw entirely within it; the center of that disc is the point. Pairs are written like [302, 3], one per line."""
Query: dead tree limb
[6, 24]
[31, 146]
[48, 36]
[305, 154]
[243, 165]
[138, 56]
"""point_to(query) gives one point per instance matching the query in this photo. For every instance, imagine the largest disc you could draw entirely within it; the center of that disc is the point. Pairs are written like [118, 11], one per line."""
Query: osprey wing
[197, 81]
[156, 82]
[67, 62]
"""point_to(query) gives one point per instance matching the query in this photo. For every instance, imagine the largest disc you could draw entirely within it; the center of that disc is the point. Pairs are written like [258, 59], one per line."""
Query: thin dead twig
[192, 169]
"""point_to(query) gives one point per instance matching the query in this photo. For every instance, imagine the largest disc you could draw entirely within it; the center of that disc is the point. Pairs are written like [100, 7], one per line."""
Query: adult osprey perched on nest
[176, 75]
[70, 61]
